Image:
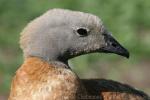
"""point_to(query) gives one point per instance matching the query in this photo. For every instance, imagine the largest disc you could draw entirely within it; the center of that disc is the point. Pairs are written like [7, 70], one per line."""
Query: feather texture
[38, 80]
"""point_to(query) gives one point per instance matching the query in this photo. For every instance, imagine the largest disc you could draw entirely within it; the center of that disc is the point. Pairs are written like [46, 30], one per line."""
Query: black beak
[114, 47]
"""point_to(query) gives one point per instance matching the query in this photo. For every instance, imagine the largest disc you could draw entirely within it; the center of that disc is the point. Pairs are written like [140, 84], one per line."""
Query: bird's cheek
[99, 43]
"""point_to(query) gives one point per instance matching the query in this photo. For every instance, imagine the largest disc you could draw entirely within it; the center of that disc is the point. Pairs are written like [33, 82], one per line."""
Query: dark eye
[82, 32]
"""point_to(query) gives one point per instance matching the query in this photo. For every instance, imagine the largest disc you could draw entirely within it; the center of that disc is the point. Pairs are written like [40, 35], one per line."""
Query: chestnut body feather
[39, 80]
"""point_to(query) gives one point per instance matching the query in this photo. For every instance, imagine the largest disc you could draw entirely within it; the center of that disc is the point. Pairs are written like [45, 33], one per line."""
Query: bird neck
[51, 58]
[54, 62]
[47, 49]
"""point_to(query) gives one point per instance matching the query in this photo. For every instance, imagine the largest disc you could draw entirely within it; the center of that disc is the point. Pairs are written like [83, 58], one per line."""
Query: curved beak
[112, 46]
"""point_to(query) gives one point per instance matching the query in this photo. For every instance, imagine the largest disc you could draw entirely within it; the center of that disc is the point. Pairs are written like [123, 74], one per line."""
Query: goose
[48, 42]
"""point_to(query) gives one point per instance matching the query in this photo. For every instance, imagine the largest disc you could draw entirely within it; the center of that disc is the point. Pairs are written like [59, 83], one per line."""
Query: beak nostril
[114, 45]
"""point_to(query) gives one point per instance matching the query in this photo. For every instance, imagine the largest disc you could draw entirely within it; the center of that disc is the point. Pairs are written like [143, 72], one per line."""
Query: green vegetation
[128, 20]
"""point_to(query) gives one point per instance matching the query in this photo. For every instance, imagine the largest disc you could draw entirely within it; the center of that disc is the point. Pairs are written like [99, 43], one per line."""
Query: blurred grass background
[129, 21]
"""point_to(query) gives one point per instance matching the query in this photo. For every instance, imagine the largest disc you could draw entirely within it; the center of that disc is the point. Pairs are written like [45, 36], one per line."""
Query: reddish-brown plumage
[39, 80]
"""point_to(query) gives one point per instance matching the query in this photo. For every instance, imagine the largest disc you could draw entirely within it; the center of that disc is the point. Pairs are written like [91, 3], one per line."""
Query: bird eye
[82, 32]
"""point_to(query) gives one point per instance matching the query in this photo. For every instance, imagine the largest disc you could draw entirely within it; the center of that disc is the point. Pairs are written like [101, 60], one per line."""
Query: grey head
[62, 34]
